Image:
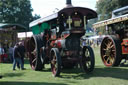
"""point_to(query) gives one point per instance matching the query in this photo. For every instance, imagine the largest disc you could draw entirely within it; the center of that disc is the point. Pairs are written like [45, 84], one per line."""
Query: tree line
[20, 11]
[17, 11]
[105, 7]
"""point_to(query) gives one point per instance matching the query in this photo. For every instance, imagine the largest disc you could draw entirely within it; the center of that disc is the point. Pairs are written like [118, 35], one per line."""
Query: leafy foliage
[105, 7]
[16, 11]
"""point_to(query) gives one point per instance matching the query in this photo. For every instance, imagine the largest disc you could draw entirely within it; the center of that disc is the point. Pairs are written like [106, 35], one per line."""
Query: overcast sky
[47, 7]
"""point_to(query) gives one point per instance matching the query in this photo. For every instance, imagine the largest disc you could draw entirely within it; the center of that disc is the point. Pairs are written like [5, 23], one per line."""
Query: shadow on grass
[13, 74]
[45, 70]
[29, 83]
[113, 72]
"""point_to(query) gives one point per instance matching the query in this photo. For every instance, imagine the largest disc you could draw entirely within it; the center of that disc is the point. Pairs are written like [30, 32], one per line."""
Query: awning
[111, 21]
[12, 27]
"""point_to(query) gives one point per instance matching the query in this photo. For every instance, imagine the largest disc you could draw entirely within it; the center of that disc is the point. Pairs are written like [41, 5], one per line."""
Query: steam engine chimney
[68, 3]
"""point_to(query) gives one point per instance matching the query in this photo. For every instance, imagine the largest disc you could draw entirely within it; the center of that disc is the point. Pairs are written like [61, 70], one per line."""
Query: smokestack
[68, 3]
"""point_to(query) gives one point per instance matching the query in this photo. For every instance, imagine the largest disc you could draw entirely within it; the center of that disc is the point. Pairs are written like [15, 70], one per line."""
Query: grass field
[100, 76]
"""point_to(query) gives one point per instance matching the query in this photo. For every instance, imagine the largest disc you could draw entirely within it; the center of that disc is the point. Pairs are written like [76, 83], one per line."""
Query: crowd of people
[16, 55]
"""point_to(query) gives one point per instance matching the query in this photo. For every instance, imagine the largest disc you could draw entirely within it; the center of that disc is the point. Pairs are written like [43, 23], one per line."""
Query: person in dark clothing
[17, 57]
[10, 51]
[22, 52]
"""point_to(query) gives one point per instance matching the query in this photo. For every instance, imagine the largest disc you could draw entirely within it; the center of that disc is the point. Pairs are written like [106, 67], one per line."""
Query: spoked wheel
[88, 59]
[111, 51]
[34, 53]
[55, 62]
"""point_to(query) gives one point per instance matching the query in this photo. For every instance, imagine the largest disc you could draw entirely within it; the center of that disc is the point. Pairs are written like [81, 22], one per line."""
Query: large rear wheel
[55, 62]
[111, 51]
[35, 44]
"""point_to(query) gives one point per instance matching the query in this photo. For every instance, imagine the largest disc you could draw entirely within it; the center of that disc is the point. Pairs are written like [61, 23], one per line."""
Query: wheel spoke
[33, 60]
[104, 49]
[111, 43]
[111, 60]
[104, 56]
[88, 64]
[87, 53]
[112, 46]
[53, 61]
[105, 44]
[113, 50]
[34, 52]
[108, 60]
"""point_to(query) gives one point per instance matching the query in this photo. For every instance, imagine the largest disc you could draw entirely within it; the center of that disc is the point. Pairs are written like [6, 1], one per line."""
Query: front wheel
[88, 59]
[55, 62]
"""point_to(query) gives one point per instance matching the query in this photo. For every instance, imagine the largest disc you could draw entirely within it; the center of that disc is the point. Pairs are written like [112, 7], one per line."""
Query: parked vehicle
[114, 46]
[56, 40]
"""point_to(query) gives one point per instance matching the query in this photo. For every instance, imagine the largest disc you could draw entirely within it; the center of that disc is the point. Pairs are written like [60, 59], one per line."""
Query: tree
[91, 22]
[105, 7]
[16, 11]
[36, 17]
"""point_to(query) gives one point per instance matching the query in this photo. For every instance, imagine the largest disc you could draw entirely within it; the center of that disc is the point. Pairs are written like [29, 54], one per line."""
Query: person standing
[1, 53]
[10, 50]
[22, 52]
[1, 50]
[17, 57]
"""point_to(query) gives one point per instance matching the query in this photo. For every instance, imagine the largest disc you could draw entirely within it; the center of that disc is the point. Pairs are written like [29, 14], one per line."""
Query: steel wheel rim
[108, 52]
[33, 63]
[86, 59]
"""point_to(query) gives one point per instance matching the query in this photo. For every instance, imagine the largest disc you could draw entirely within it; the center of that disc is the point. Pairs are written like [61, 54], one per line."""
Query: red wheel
[55, 62]
[111, 51]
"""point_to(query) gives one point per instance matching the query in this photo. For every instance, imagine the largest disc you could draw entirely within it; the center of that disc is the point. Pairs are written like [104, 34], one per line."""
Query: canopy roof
[89, 13]
[12, 27]
[45, 19]
[111, 21]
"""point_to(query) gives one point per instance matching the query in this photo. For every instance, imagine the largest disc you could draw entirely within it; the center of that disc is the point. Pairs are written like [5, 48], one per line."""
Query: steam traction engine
[56, 40]
[114, 46]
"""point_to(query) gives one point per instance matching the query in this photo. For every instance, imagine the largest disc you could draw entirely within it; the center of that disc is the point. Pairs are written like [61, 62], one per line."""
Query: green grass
[100, 76]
